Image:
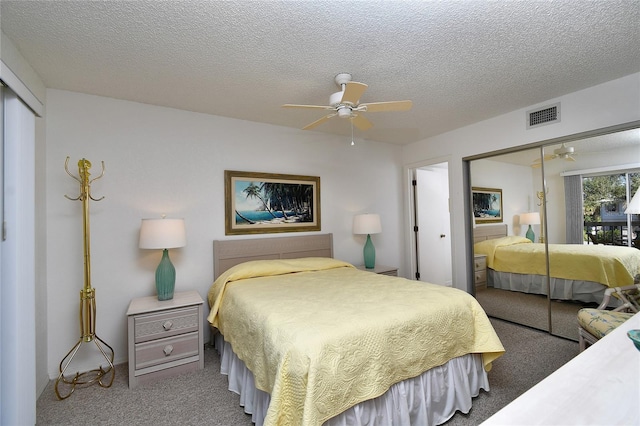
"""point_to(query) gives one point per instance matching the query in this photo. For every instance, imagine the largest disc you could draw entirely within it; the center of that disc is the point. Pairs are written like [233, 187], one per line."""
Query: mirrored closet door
[530, 204]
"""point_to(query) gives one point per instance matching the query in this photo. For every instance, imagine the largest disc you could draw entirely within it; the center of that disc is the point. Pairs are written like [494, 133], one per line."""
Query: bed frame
[228, 253]
[489, 232]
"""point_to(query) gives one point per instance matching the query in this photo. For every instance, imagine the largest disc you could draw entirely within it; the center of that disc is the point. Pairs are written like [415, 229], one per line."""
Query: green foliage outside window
[605, 189]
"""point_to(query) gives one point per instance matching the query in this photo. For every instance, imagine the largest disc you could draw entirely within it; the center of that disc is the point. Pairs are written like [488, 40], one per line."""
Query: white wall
[160, 160]
[609, 104]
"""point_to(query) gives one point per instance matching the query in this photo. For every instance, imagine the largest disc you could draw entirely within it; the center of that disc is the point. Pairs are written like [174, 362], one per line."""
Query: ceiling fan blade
[546, 158]
[306, 106]
[318, 122]
[569, 158]
[361, 122]
[387, 106]
[536, 165]
[352, 92]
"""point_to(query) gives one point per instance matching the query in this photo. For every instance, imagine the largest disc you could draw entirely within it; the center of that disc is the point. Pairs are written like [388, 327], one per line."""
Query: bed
[306, 339]
[578, 272]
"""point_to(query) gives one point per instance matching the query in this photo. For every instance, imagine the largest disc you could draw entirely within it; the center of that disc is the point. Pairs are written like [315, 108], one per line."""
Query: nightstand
[392, 271]
[165, 337]
[480, 270]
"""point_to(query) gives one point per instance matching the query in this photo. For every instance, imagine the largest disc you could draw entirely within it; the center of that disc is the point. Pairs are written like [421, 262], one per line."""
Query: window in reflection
[605, 200]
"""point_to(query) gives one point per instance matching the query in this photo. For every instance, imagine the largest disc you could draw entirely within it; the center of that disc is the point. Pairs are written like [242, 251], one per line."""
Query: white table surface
[600, 386]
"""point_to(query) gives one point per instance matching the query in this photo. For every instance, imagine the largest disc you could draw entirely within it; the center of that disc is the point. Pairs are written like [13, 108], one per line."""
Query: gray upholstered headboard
[489, 232]
[228, 253]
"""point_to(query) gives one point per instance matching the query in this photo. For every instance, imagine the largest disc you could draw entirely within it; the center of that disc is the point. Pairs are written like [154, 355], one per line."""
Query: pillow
[265, 268]
[488, 247]
[513, 239]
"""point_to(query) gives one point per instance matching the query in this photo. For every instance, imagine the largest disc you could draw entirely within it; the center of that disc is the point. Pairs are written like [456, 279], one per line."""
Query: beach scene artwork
[487, 204]
[262, 203]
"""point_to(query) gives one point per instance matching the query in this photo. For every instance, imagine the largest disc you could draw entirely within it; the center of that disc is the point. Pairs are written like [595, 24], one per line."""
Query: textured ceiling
[459, 61]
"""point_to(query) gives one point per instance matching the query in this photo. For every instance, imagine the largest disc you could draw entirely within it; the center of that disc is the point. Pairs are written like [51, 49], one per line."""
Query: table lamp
[530, 219]
[368, 224]
[634, 208]
[163, 234]
[634, 205]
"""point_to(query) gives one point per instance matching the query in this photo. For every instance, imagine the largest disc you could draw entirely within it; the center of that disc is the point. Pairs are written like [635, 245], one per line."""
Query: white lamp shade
[634, 205]
[367, 224]
[162, 234]
[532, 218]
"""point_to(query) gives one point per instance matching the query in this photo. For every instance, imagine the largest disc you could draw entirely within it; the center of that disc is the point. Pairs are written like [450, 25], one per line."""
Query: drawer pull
[167, 350]
[167, 325]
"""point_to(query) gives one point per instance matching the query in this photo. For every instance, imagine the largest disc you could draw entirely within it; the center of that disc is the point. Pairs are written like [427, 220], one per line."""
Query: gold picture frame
[487, 205]
[262, 203]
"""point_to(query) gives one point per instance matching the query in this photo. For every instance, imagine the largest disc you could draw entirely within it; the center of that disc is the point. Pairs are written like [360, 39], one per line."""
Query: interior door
[433, 222]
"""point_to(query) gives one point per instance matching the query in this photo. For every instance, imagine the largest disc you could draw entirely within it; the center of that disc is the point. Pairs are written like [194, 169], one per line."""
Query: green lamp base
[530, 235]
[369, 254]
[165, 277]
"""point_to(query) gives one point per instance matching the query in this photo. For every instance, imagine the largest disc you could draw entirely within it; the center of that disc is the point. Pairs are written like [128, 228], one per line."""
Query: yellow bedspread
[611, 266]
[321, 336]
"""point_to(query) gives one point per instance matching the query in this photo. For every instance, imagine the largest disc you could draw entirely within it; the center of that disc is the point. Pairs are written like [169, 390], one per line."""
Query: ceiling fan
[564, 152]
[346, 104]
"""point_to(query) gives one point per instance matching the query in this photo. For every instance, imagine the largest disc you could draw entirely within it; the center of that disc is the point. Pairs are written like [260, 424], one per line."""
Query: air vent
[543, 116]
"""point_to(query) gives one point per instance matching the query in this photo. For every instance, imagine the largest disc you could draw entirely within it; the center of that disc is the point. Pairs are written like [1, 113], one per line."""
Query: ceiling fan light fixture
[563, 150]
[344, 112]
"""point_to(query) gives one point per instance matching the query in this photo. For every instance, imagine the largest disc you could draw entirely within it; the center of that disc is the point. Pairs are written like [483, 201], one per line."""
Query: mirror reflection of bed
[524, 177]
[517, 282]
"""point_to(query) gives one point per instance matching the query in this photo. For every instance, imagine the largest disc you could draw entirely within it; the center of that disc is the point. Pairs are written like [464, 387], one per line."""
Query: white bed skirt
[429, 399]
[561, 289]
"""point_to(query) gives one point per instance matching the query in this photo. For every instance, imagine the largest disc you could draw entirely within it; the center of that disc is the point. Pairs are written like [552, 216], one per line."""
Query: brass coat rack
[542, 196]
[104, 377]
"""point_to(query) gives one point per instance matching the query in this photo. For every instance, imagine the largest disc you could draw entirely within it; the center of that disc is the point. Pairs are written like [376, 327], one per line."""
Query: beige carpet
[202, 398]
[531, 310]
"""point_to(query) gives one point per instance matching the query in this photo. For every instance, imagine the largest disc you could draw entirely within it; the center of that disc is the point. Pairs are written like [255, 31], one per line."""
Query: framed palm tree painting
[487, 205]
[260, 203]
